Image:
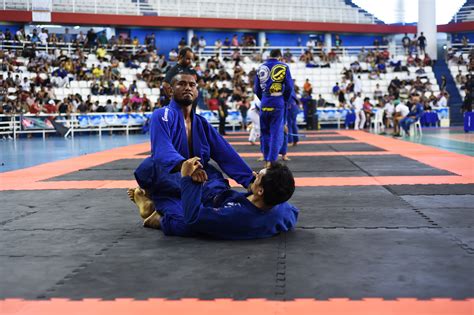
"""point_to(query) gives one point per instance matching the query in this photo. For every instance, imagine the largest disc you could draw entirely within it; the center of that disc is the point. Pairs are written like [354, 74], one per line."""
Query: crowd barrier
[67, 125]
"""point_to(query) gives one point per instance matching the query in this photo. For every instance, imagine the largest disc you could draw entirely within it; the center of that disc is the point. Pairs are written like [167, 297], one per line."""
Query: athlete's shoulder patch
[263, 73]
[278, 72]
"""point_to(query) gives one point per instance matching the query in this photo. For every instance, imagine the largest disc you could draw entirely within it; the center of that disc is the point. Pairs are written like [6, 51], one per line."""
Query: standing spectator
[337, 41]
[406, 43]
[357, 85]
[181, 43]
[243, 109]
[307, 87]
[235, 41]
[67, 37]
[184, 65]
[43, 36]
[202, 43]
[223, 111]
[194, 43]
[465, 41]
[422, 43]
[91, 39]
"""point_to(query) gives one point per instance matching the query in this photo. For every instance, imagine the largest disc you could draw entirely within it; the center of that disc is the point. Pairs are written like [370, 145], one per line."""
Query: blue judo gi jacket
[170, 148]
[228, 214]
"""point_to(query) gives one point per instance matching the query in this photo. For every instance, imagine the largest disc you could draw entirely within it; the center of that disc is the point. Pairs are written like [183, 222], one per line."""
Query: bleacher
[339, 11]
[454, 72]
[465, 13]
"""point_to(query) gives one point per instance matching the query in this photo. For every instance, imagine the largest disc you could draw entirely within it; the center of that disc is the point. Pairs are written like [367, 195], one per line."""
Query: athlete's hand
[285, 129]
[190, 166]
[199, 176]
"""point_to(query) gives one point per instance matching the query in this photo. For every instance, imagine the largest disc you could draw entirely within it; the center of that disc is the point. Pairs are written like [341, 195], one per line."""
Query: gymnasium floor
[386, 227]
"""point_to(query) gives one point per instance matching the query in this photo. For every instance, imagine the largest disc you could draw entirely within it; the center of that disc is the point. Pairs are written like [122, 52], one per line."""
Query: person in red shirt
[35, 108]
[50, 107]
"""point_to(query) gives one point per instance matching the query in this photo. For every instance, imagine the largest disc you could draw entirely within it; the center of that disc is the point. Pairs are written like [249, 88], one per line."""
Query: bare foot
[153, 221]
[144, 204]
[285, 158]
[260, 159]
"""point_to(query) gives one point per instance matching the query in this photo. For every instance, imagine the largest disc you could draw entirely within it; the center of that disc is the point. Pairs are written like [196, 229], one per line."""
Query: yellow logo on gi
[278, 73]
[276, 88]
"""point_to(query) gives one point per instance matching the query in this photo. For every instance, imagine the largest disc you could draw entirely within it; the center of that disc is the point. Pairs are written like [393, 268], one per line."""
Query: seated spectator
[414, 115]
[378, 93]
[335, 89]
[401, 111]
[442, 100]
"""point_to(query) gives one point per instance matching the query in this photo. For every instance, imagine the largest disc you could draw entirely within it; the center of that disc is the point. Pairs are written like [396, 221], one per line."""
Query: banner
[36, 123]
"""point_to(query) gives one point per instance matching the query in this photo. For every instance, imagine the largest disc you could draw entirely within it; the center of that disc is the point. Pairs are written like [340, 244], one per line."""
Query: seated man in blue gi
[177, 133]
[273, 86]
[414, 115]
[214, 210]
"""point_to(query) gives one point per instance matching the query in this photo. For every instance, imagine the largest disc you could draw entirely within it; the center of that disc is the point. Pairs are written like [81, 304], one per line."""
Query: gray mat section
[115, 170]
[464, 237]
[30, 277]
[375, 263]
[355, 165]
[345, 196]
[441, 202]
[451, 217]
[72, 209]
[148, 264]
[315, 166]
[455, 189]
[302, 138]
[353, 207]
[319, 147]
[395, 165]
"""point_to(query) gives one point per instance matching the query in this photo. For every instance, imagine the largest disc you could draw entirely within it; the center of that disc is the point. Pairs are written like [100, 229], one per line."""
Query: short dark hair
[183, 51]
[178, 75]
[278, 184]
[275, 53]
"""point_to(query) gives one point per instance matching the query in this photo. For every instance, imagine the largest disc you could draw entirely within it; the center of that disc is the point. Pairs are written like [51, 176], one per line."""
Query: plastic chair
[377, 123]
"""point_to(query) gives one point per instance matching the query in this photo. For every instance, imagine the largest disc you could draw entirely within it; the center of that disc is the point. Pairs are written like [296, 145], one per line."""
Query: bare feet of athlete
[144, 204]
[153, 221]
[260, 159]
[285, 158]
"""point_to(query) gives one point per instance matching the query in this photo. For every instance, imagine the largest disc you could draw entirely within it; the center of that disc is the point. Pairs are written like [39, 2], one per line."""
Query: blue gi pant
[292, 128]
[406, 122]
[271, 131]
[165, 192]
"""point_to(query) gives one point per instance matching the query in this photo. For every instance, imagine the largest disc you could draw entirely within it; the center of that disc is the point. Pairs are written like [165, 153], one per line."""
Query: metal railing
[310, 11]
[208, 51]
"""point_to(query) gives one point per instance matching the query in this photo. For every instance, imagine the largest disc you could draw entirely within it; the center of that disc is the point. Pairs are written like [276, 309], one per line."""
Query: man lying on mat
[212, 209]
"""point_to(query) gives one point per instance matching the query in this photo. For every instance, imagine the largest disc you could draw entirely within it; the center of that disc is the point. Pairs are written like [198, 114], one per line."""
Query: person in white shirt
[25, 85]
[358, 106]
[388, 109]
[202, 43]
[43, 36]
[443, 101]
[254, 116]
[357, 85]
[401, 111]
